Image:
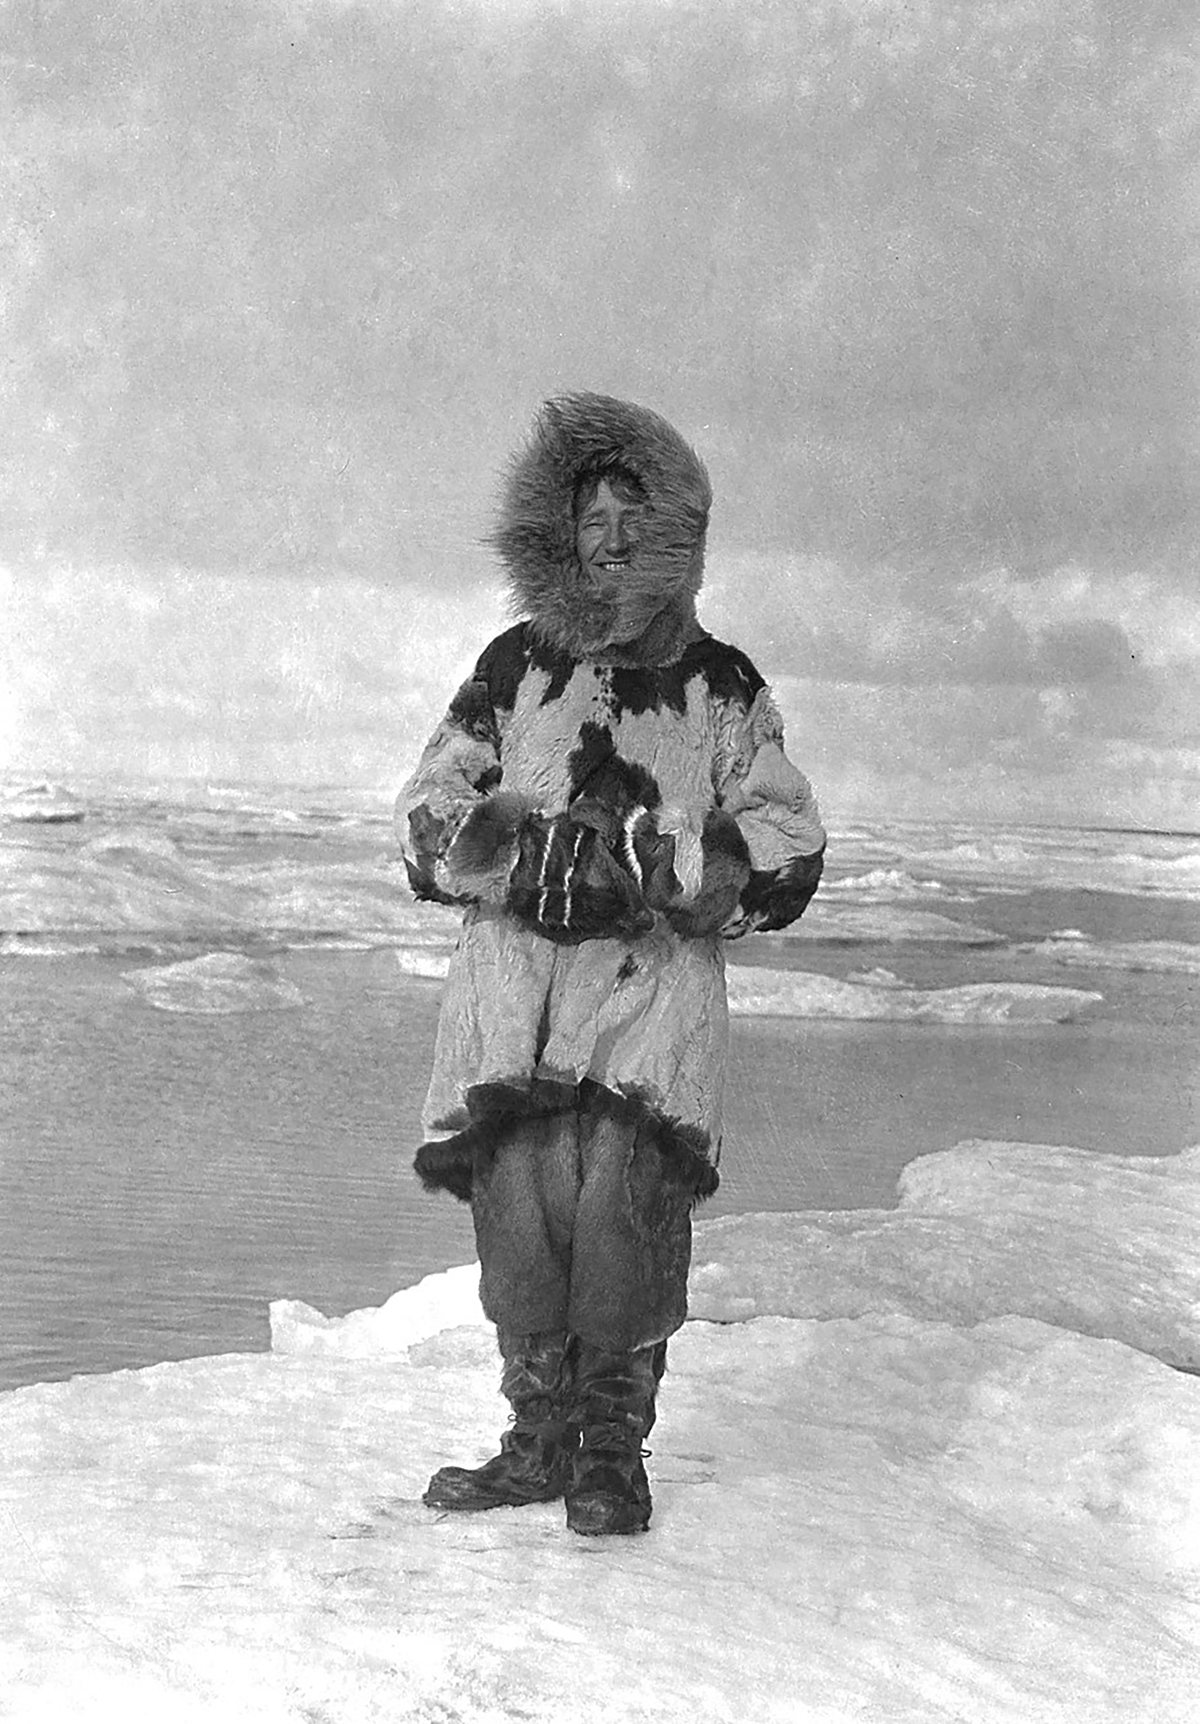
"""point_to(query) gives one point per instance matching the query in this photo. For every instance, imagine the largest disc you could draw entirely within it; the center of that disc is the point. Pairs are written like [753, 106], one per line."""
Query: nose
[616, 538]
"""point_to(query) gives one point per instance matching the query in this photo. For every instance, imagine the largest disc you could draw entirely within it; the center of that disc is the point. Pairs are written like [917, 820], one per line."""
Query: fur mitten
[774, 898]
[480, 857]
[567, 886]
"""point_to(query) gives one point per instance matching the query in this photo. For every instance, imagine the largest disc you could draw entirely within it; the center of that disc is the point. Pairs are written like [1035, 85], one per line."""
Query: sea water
[219, 1002]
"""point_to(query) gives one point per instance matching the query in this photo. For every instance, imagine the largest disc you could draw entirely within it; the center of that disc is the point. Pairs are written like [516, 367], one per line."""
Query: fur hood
[652, 618]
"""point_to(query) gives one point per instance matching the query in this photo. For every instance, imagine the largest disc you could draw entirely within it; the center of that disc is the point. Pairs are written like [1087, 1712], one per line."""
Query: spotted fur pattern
[641, 755]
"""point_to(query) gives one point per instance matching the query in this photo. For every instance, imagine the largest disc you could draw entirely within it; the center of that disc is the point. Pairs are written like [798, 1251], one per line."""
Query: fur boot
[614, 1405]
[535, 1452]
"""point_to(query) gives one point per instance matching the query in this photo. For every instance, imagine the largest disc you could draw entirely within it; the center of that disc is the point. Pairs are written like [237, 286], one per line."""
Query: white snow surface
[983, 1230]
[912, 1511]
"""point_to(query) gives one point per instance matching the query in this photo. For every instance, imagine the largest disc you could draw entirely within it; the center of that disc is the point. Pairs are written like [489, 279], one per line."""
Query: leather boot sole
[600, 1515]
[459, 1489]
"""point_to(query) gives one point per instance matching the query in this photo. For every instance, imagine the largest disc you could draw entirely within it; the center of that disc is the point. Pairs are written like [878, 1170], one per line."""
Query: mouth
[614, 563]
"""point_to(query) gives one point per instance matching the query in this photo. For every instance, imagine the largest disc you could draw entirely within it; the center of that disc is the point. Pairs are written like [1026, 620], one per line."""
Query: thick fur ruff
[650, 616]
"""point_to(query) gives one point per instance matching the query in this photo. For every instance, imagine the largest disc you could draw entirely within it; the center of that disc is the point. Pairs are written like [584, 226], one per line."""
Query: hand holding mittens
[594, 873]
[652, 858]
[567, 885]
[555, 874]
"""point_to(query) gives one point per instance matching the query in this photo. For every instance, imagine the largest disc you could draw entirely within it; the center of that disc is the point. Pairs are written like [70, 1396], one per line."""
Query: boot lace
[614, 1436]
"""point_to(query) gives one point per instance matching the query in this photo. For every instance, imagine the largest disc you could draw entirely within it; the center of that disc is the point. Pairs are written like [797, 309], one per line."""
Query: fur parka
[616, 709]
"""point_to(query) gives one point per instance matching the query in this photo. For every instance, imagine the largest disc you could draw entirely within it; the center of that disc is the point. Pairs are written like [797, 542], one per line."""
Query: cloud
[284, 283]
[177, 675]
[986, 754]
[1072, 696]
[287, 280]
[884, 626]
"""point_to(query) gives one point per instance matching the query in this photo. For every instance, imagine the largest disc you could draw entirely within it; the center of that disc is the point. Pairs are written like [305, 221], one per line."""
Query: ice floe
[755, 992]
[42, 805]
[143, 881]
[1151, 864]
[887, 886]
[446, 1300]
[217, 984]
[1074, 950]
[1101, 1244]
[134, 878]
[862, 924]
[427, 961]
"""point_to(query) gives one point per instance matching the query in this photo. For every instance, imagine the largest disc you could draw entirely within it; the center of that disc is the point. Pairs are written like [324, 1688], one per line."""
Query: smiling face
[606, 531]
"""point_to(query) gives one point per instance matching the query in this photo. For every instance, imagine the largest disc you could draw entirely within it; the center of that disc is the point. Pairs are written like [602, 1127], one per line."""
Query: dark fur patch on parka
[650, 617]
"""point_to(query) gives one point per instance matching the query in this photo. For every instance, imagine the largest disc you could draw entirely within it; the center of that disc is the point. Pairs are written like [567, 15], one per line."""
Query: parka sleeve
[457, 828]
[775, 808]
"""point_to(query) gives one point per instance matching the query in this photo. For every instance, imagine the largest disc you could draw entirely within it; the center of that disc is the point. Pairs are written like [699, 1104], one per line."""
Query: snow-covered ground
[907, 1474]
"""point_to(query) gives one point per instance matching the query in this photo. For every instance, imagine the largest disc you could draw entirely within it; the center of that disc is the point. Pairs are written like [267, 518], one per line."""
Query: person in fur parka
[609, 798]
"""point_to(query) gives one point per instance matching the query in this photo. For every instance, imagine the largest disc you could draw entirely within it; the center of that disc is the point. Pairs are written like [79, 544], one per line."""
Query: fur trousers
[583, 1226]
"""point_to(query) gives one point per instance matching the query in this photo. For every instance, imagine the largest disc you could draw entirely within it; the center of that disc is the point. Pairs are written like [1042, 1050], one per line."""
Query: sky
[284, 282]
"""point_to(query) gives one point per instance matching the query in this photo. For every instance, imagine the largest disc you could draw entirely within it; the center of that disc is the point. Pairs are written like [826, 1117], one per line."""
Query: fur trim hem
[450, 1164]
[686, 1150]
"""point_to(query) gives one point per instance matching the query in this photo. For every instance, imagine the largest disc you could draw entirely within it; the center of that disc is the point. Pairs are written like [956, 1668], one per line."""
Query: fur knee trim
[686, 1150]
